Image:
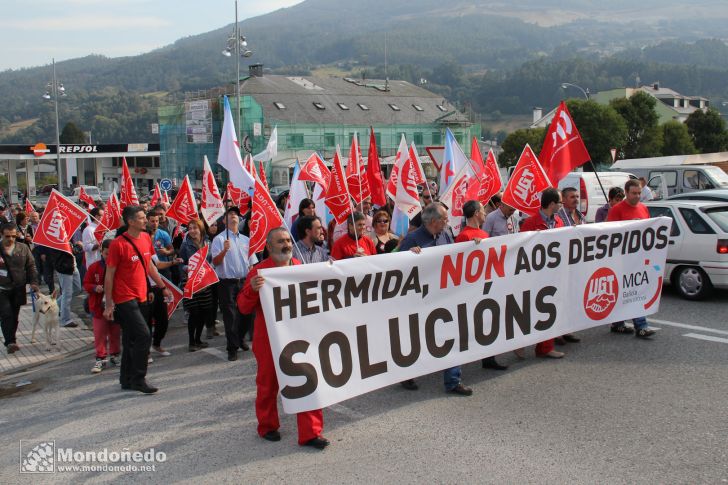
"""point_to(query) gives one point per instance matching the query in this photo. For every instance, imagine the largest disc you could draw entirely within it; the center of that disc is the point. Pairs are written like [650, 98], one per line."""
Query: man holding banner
[434, 232]
[310, 423]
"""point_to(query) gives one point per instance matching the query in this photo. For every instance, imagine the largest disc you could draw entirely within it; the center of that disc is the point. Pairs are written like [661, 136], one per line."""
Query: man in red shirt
[544, 220]
[474, 213]
[355, 243]
[128, 266]
[310, 423]
[630, 209]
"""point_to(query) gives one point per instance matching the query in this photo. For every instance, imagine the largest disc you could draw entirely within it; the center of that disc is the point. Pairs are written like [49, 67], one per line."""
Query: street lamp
[53, 90]
[585, 92]
[237, 43]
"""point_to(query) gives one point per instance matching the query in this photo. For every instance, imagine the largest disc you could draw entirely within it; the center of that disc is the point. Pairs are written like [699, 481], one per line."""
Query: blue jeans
[70, 286]
[639, 323]
[452, 377]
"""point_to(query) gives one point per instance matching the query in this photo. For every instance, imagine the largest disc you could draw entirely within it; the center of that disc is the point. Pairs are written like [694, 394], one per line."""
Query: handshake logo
[37, 457]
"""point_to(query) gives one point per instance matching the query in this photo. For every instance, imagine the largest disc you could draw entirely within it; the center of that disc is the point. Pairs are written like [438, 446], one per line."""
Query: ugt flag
[184, 206]
[60, 220]
[526, 184]
[563, 149]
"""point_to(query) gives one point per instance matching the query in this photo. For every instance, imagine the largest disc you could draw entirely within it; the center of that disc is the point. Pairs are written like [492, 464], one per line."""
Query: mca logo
[600, 294]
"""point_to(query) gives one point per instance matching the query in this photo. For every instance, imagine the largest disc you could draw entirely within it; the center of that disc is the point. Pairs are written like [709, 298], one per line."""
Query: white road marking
[215, 352]
[710, 338]
[689, 327]
[349, 413]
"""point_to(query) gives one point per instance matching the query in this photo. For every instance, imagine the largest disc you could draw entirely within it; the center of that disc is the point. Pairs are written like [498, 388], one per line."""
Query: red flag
[84, 197]
[239, 197]
[200, 274]
[127, 192]
[165, 197]
[400, 157]
[374, 173]
[184, 207]
[111, 219]
[264, 217]
[526, 183]
[176, 296]
[262, 175]
[60, 220]
[487, 181]
[315, 170]
[211, 204]
[156, 196]
[419, 172]
[356, 178]
[563, 149]
[337, 194]
[29, 207]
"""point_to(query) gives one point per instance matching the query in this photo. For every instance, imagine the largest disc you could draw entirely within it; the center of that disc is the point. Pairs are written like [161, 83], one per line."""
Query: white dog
[46, 313]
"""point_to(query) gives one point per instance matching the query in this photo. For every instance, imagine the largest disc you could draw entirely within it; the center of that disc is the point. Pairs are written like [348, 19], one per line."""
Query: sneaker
[461, 390]
[114, 360]
[202, 345]
[644, 333]
[554, 354]
[13, 348]
[161, 351]
[193, 348]
[621, 329]
[98, 366]
[70, 324]
[150, 360]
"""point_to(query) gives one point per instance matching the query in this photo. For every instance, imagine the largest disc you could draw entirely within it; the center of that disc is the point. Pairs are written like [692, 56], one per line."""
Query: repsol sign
[79, 149]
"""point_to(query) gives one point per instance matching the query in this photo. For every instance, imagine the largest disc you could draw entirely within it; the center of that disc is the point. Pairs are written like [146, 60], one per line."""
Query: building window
[279, 105]
[417, 138]
[436, 138]
[329, 140]
[343, 106]
[394, 107]
[319, 105]
[378, 139]
[294, 140]
[363, 106]
[351, 136]
[441, 108]
[459, 138]
[417, 107]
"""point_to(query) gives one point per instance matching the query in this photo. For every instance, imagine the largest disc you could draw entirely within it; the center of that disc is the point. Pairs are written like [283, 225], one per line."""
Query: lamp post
[53, 88]
[235, 42]
[585, 92]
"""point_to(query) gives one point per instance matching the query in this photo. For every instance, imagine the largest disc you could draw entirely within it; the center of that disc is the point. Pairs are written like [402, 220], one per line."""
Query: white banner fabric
[341, 329]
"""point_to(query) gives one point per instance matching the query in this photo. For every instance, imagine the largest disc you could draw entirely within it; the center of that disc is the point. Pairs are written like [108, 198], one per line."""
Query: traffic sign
[165, 184]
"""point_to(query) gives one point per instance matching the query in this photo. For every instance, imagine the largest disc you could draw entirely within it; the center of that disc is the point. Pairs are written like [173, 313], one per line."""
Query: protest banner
[343, 329]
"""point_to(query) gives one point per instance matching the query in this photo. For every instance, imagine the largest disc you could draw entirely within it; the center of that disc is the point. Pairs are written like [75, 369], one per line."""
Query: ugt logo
[37, 457]
[600, 294]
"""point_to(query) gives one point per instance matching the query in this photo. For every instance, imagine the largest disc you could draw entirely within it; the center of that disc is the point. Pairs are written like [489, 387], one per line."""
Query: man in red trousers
[310, 423]
[544, 220]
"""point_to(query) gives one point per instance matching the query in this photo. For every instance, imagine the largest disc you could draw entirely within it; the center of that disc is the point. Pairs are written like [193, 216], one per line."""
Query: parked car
[716, 195]
[679, 179]
[91, 190]
[697, 255]
[591, 196]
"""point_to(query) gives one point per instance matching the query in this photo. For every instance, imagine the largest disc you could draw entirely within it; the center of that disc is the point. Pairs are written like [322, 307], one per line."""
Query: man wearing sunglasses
[17, 268]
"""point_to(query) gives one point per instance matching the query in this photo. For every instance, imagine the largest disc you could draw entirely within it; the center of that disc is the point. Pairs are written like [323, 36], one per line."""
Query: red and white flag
[84, 197]
[487, 181]
[263, 178]
[374, 173]
[200, 273]
[399, 158]
[337, 195]
[526, 184]
[29, 207]
[356, 178]
[211, 204]
[60, 220]
[296, 194]
[417, 165]
[455, 197]
[165, 197]
[156, 196]
[177, 296]
[128, 195]
[111, 219]
[407, 199]
[315, 170]
[563, 149]
[184, 206]
[264, 217]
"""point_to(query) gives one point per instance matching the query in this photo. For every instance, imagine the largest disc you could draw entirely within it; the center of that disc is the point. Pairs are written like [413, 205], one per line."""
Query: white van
[591, 196]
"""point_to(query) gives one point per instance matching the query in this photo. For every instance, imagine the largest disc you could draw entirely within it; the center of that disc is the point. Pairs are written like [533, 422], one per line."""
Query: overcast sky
[34, 31]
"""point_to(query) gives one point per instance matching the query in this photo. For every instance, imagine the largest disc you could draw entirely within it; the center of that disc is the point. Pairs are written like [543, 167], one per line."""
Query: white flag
[271, 151]
[297, 193]
[229, 154]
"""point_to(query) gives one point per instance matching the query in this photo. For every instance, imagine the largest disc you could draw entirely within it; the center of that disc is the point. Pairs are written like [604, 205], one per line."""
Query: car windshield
[719, 215]
[718, 175]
